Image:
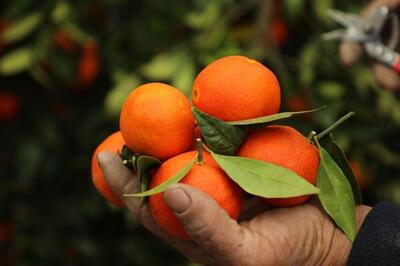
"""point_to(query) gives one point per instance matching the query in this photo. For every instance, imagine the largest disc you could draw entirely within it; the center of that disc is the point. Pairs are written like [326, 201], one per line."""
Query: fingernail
[177, 199]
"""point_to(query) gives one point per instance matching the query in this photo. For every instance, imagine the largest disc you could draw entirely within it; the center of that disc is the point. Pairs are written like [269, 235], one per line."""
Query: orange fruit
[112, 143]
[236, 88]
[286, 147]
[361, 175]
[4, 25]
[210, 180]
[10, 104]
[279, 31]
[63, 40]
[89, 64]
[7, 229]
[156, 120]
[298, 103]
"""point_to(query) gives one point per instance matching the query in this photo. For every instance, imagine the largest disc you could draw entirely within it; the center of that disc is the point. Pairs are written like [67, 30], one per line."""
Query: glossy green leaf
[340, 158]
[22, 28]
[271, 118]
[264, 179]
[163, 186]
[143, 165]
[16, 61]
[220, 136]
[336, 195]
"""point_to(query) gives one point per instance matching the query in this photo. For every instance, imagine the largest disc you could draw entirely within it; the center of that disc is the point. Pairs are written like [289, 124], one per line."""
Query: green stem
[311, 136]
[315, 139]
[335, 125]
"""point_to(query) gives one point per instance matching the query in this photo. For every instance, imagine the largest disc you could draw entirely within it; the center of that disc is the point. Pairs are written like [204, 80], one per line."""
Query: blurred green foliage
[67, 67]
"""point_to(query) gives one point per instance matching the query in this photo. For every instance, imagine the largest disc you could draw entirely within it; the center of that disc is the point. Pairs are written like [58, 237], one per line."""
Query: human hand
[350, 52]
[302, 235]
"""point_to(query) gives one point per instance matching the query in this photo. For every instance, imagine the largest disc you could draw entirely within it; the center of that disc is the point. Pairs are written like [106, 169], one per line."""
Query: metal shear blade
[357, 28]
[353, 31]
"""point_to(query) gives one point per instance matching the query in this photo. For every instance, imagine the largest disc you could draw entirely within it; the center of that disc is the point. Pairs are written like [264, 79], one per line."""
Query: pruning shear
[367, 31]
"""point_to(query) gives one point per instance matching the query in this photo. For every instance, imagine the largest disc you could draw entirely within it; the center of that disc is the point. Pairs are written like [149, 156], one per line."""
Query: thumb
[207, 223]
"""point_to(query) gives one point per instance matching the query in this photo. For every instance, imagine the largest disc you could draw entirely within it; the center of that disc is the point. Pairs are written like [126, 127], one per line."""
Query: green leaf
[340, 158]
[60, 11]
[205, 18]
[220, 136]
[183, 78]
[129, 158]
[336, 195]
[63, 67]
[162, 66]
[22, 28]
[308, 61]
[293, 8]
[173, 180]
[116, 97]
[143, 165]
[16, 61]
[264, 179]
[331, 90]
[321, 7]
[271, 118]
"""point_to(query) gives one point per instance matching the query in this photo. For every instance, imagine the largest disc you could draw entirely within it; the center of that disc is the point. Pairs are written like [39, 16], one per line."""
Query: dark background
[66, 68]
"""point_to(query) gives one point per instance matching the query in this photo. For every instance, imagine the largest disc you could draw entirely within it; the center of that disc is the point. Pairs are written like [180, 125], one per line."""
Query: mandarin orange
[156, 120]
[209, 179]
[286, 147]
[236, 88]
[112, 143]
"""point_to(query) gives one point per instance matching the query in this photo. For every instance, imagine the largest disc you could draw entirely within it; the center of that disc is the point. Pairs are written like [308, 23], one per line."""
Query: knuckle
[203, 231]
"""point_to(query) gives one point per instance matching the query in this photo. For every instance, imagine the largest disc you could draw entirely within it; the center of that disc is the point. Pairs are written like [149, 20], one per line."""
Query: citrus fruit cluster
[158, 121]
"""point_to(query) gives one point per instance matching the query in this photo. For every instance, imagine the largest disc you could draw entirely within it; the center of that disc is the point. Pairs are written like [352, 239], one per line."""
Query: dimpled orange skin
[236, 88]
[286, 147]
[156, 120]
[113, 143]
[211, 180]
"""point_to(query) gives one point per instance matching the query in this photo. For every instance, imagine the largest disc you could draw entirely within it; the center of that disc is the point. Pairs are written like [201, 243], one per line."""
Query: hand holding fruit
[350, 52]
[276, 165]
[285, 236]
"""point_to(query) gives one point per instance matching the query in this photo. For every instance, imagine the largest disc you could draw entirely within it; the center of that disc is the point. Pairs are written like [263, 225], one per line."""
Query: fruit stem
[335, 125]
[311, 136]
[199, 146]
[315, 139]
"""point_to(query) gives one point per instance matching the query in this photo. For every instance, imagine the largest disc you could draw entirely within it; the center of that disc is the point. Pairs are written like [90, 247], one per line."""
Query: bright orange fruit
[286, 147]
[156, 120]
[236, 88]
[211, 180]
[112, 143]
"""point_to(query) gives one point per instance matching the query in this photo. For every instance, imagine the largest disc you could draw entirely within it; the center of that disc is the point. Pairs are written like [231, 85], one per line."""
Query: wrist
[340, 246]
